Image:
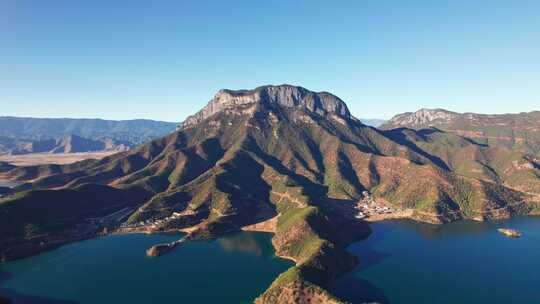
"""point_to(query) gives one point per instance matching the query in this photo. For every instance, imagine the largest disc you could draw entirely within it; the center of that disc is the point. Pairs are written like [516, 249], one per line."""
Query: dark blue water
[463, 262]
[114, 269]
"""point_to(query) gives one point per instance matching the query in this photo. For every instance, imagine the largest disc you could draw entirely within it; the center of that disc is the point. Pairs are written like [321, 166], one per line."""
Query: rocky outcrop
[493, 126]
[322, 103]
[158, 250]
[510, 232]
[161, 249]
[422, 117]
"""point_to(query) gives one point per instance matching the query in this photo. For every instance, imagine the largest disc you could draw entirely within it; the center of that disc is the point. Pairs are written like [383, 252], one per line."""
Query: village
[156, 223]
[368, 206]
[365, 208]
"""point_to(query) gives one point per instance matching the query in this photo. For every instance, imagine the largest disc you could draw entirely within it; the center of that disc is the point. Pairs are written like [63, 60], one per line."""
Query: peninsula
[293, 159]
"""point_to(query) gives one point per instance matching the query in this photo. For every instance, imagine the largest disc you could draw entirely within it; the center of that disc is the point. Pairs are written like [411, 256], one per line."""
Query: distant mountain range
[51, 135]
[67, 144]
[20, 135]
[293, 160]
[374, 122]
[519, 131]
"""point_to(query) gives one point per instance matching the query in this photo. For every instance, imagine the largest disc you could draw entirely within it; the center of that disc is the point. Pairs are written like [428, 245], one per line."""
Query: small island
[161, 249]
[510, 232]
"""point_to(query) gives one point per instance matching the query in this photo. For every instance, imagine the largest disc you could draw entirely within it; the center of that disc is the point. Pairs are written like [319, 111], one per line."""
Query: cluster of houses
[145, 223]
[368, 206]
[153, 223]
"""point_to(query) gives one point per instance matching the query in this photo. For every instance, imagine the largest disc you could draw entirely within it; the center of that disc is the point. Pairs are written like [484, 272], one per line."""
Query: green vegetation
[53, 211]
[254, 161]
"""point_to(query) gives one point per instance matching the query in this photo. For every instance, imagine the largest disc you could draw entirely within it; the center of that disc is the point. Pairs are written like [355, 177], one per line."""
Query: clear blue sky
[165, 59]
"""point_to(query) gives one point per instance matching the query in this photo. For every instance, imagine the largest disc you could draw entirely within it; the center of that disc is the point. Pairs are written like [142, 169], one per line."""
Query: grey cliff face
[423, 117]
[283, 95]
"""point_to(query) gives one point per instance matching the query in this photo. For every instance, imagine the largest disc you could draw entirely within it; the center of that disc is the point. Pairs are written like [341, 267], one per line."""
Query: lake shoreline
[121, 259]
[35, 247]
[423, 252]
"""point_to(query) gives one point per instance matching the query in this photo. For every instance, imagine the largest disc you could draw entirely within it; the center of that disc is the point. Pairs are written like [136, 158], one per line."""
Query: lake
[462, 262]
[114, 269]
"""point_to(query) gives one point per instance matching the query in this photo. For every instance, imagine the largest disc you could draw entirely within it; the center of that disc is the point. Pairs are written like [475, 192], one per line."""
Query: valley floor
[48, 158]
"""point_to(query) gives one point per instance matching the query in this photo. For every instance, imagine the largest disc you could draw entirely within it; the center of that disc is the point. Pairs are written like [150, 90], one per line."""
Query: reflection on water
[242, 242]
[16, 297]
[115, 269]
[430, 231]
[407, 262]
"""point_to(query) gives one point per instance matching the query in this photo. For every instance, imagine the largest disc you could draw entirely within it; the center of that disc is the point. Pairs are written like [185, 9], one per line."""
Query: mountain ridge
[307, 168]
[18, 135]
[47, 128]
[424, 116]
[283, 95]
[519, 131]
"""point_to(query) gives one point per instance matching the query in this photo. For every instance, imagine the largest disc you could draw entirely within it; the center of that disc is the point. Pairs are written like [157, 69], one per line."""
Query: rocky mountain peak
[287, 96]
[422, 117]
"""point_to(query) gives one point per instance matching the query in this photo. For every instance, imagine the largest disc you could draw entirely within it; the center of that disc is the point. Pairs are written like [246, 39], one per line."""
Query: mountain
[290, 159]
[373, 122]
[516, 131]
[66, 144]
[30, 135]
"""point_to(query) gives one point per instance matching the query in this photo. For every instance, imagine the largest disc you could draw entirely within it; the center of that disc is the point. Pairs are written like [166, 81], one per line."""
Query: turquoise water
[463, 262]
[114, 269]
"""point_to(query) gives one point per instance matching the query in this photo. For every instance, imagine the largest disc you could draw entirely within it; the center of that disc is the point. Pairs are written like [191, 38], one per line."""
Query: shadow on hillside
[474, 142]
[352, 287]
[310, 189]
[365, 251]
[426, 132]
[346, 208]
[347, 170]
[399, 136]
[13, 297]
[247, 190]
[357, 290]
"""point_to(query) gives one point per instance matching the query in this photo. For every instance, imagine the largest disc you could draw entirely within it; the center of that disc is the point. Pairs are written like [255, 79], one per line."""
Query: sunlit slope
[285, 151]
